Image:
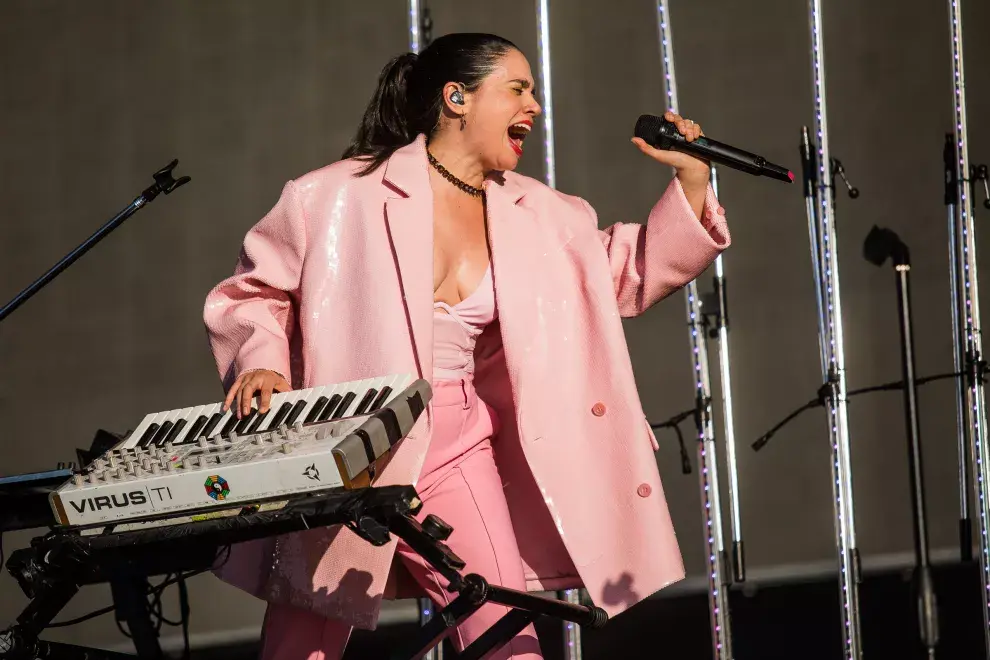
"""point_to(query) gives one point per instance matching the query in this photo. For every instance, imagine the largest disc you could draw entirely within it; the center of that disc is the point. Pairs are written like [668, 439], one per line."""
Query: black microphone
[662, 134]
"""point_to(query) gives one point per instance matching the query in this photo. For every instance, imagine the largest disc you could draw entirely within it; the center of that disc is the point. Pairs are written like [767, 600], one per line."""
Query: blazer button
[644, 490]
[598, 409]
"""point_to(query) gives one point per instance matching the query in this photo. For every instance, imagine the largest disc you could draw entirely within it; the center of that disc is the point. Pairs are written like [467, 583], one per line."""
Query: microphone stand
[164, 183]
[718, 301]
[880, 245]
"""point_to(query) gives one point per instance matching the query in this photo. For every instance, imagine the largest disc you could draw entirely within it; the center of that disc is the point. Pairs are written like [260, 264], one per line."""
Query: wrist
[694, 180]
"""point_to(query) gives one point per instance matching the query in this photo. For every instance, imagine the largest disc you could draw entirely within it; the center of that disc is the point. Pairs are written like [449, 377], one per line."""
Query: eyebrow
[524, 83]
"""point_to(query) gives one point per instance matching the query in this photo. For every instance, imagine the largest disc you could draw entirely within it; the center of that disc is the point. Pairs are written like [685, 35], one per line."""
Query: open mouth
[517, 133]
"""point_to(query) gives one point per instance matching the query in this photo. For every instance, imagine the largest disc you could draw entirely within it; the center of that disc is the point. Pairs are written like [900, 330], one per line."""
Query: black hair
[409, 98]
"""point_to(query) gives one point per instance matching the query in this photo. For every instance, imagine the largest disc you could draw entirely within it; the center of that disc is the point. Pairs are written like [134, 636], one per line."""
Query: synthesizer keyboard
[184, 462]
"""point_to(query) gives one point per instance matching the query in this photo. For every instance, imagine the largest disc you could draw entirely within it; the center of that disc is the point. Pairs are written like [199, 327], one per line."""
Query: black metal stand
[51, 571]
[881, 244]
[164, 183]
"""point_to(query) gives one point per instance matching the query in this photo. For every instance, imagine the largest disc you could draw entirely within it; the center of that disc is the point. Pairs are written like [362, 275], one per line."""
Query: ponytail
[384, 127]
[409, 98]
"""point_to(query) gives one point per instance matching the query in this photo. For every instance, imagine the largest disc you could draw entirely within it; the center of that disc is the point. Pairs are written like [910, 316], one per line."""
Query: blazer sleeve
[250, 316]
[651, 261]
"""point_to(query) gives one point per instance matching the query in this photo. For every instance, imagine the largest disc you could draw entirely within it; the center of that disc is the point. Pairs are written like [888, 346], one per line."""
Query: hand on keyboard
[250, 383]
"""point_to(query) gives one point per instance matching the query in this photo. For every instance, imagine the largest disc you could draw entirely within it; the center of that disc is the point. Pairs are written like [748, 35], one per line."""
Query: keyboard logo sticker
[216, 487]
[312, 472]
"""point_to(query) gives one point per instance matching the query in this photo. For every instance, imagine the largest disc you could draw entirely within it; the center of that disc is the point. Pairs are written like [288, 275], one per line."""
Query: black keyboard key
[163, 430]
[146, 437]
[245, 422]
[256, 424]
[331, 406]
[314, 414]
[382, 398]
[194, 430]
[280, 416]
[229, 426]
[174, 433]
[366, 401]
[296, 411]
[344, 405]
[210, 425]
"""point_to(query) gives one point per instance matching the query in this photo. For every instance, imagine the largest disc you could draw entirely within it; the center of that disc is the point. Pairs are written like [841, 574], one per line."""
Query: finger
[266, 399]
[283, 386]
[232, 393]
[247, 393]
[644, 147]
[672, 116]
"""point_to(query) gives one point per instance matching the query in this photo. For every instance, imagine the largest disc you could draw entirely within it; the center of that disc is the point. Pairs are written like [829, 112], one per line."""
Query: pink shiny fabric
[460, 484]
[347, 261]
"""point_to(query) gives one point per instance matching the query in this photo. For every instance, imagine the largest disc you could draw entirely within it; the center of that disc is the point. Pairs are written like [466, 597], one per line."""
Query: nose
[534, 108]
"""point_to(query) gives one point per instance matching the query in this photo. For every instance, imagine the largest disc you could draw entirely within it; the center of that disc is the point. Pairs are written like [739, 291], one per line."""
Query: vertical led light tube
[718, 592]
[966, 322]
[833, 358]
[572, 632]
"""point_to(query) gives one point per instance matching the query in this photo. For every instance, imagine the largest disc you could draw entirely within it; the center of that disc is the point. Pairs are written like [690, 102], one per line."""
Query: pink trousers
[460, 484]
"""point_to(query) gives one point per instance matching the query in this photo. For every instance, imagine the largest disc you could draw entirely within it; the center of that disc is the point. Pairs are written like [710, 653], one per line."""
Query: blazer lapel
[409, 219]
[520, 275]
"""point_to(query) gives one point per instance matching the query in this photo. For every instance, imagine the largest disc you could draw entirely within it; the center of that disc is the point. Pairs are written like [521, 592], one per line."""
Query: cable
[673, 423]
[85, 617]
[155, 591]
[820, 400]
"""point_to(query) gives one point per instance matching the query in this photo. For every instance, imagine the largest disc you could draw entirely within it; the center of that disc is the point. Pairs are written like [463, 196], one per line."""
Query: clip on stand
[880, 245]
[164, 183]
[51, 571]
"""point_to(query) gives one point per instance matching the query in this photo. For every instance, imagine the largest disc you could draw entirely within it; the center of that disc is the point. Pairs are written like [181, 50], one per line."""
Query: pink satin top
[456, 329]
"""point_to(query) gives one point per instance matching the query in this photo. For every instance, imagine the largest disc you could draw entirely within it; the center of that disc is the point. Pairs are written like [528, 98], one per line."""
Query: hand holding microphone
[690, 170]
[677, 142]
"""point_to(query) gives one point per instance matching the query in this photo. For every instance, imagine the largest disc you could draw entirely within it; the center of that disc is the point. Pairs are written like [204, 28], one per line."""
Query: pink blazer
[335, 284]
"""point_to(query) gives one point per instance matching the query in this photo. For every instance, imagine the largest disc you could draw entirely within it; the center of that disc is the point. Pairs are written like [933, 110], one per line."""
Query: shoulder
[541, 196]
[332, 178]
[330, 187]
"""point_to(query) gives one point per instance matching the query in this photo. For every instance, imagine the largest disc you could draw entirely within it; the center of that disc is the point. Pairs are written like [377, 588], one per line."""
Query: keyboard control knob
[169, 447]
[145, 464]
[436, 529]
[77, 479]
[155, 469]
[286, 448]
[112, 460]
[120, 473]
[202, 442]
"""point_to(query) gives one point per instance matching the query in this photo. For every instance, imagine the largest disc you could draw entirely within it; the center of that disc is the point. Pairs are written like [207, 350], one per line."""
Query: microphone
[662, 134]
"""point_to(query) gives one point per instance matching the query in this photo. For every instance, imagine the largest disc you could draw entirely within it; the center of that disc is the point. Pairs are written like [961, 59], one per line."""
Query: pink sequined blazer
[335, 284]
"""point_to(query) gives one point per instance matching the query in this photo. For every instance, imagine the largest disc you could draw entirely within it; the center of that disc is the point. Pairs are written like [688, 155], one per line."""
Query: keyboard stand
[51, 571]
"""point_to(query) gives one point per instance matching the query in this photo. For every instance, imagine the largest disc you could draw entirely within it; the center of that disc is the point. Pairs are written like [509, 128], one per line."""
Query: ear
[455, 98]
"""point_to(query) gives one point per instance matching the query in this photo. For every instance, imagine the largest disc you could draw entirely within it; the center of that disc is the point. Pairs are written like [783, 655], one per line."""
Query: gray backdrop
[97, 96]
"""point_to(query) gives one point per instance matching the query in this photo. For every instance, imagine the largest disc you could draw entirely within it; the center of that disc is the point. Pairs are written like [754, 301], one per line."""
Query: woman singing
[422, 252]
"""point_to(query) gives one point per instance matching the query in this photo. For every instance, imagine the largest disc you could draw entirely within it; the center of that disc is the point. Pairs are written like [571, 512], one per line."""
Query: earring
[457, 98]
[463, 122]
